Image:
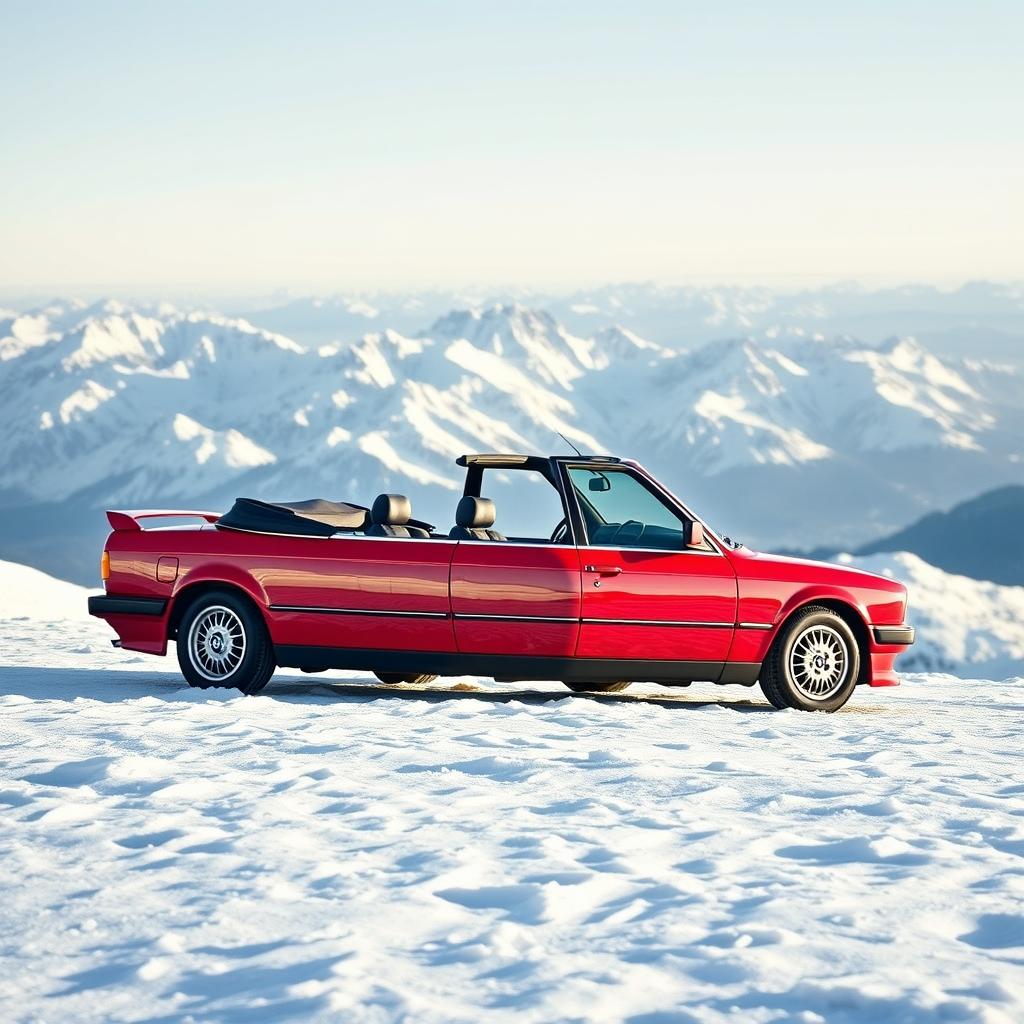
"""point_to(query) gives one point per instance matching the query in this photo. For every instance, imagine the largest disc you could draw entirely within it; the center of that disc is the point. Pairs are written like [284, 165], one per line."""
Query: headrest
[391, 510]
[474, 513]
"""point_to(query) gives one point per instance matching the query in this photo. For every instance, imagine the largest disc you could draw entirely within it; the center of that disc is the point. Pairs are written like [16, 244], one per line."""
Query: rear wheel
[396, 678]
[814, 663]
[223, 641]
[578, 687]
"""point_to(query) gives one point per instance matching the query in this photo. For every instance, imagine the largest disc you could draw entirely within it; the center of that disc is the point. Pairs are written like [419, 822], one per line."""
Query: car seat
[474, 518]
[390, 515]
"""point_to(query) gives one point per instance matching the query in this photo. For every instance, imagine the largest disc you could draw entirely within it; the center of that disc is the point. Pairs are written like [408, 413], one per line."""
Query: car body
[604, 599]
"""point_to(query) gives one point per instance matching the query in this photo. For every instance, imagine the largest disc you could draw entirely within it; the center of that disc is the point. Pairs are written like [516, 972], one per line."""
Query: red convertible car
[627, 585]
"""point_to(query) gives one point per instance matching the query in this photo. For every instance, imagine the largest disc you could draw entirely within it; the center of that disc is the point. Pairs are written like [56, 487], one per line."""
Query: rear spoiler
[129, 520]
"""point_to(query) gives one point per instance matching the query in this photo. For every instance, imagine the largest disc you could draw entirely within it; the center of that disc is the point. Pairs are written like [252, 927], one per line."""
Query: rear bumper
[899, 635]
[101, 605]
[139, 622]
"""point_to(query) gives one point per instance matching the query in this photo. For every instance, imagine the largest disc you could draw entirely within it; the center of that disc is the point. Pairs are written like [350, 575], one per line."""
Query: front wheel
[223, 641]
[814, 663]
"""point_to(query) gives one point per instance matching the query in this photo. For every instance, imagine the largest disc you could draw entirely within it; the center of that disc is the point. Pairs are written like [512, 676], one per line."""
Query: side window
[527, 506]
[620, 511]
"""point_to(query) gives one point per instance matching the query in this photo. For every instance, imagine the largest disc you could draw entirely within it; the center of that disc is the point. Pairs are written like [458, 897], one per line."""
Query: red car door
[517, 593]
[646, 594]
[381, 593]
[516, 598]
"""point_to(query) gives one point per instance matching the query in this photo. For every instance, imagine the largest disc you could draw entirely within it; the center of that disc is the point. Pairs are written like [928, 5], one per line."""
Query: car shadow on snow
[70, 684]
[522, 693]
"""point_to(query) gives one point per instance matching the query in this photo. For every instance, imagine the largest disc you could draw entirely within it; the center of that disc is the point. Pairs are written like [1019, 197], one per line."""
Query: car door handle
[603, 570]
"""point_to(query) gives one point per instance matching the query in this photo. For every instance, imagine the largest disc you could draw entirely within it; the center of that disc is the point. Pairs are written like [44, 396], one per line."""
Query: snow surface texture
[336, 850]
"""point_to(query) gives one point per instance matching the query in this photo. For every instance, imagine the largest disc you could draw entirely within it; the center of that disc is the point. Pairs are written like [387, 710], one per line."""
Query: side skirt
[518, 667]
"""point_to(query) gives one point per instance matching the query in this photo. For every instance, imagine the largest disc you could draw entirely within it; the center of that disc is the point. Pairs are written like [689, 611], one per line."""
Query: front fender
[761, 617]
[819, 592]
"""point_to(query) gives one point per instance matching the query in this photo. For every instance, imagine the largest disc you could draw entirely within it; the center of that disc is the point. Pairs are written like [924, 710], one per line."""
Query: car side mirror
[599, 483]
[695, 535]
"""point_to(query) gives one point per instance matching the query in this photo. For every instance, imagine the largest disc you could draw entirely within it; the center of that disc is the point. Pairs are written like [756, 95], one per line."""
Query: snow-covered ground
[338, 850]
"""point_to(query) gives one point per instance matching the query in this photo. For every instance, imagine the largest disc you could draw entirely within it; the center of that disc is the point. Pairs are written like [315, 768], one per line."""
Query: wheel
[578, 687]
[814, 663]
[395, 678]
[223, 641]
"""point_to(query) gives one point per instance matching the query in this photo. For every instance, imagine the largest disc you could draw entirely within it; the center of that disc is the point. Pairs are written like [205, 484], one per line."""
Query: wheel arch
[195, 585]
[848, 611]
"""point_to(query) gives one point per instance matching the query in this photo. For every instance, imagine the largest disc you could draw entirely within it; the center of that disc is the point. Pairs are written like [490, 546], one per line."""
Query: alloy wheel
[819, 662]
[216, 643]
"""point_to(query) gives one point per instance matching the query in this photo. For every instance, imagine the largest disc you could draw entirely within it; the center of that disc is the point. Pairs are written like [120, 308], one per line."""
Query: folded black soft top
[316, 517]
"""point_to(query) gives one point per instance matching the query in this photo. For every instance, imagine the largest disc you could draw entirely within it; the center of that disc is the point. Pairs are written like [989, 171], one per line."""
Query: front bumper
[902, 635]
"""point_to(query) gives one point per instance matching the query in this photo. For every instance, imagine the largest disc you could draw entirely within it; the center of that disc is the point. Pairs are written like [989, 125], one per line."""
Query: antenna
[570, 444]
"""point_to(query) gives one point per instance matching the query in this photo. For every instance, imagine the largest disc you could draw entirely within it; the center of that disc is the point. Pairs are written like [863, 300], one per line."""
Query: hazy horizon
[21, 299]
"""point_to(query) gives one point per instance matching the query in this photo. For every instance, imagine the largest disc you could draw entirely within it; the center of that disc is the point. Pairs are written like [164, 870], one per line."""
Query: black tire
[616, 687]
[396, 678]
[218, 627]
[825, 637]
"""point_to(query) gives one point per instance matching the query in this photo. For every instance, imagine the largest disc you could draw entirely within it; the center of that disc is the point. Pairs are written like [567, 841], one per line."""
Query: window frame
[651, 486]
[474, 487]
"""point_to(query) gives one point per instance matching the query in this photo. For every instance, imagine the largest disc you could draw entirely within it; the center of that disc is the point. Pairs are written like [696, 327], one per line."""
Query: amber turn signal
[105, 566]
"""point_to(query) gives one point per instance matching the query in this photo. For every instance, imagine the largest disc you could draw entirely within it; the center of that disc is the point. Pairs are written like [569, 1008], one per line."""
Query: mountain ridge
[112, 404]
[980, 538]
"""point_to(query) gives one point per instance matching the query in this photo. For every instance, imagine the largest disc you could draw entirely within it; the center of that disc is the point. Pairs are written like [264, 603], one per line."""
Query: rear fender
[211, 574]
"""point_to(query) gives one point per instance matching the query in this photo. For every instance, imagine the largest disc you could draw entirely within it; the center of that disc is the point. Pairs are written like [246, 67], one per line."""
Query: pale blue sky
[329, 146]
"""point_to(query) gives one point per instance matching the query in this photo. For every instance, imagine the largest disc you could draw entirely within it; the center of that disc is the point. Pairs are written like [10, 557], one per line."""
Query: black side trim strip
[507, 666]
[480, 617]
[101, 605]
[385, 612]
[659, 622]
[474, 617]
[904, 635]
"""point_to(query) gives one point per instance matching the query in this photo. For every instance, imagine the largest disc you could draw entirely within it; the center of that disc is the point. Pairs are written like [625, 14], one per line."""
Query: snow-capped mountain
[123, 395]
[751, 403]
[980, 538]
[981, 318]
[795, 441]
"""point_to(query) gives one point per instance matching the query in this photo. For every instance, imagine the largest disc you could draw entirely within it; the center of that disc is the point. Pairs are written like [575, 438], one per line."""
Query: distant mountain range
[982, 538]
[979, 320]
[793, 439]
[970, 628]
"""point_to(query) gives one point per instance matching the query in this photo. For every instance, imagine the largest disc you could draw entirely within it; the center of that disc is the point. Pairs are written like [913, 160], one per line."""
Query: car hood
[790, 565]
